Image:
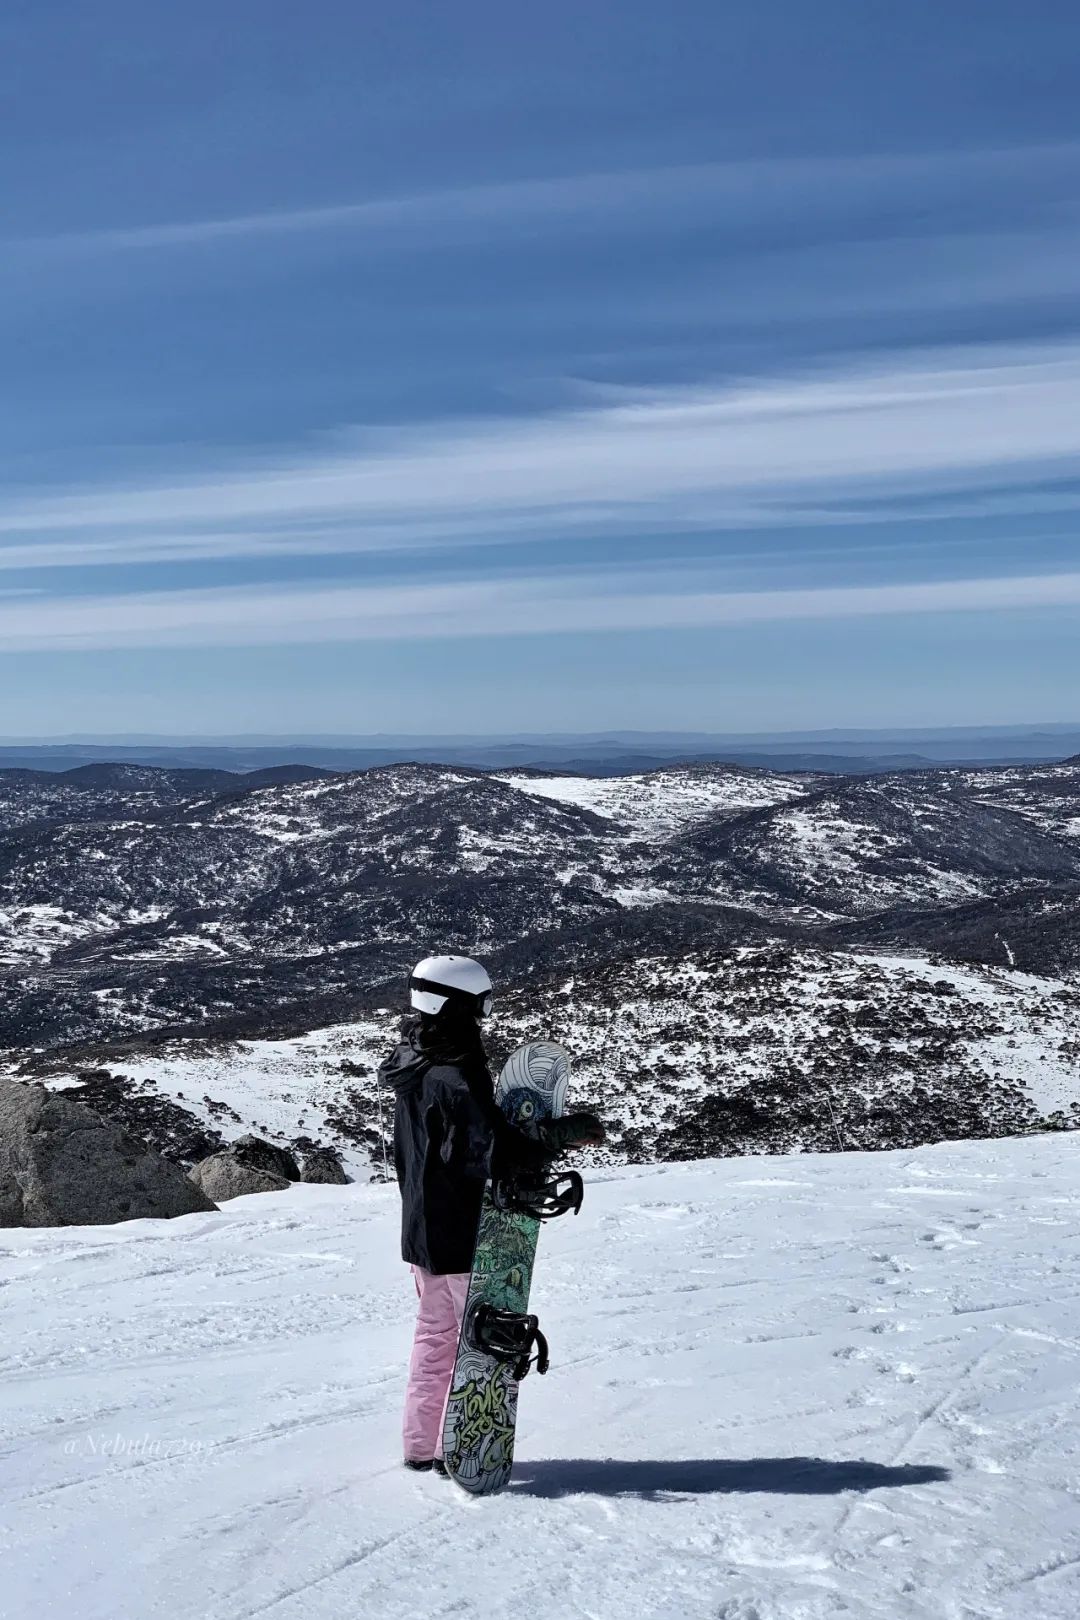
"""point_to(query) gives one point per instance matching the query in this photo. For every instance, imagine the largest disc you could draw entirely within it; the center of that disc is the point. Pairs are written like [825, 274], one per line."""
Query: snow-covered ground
[784, 1389]
[281, 1089]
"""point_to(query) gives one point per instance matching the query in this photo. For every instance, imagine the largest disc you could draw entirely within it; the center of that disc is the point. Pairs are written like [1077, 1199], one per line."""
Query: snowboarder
[449, 1138]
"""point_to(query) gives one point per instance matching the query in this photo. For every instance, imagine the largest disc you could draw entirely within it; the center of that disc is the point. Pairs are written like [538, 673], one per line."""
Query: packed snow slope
[783, 1389]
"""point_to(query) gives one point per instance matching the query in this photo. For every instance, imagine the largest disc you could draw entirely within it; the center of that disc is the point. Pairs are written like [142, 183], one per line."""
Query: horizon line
[615, 734]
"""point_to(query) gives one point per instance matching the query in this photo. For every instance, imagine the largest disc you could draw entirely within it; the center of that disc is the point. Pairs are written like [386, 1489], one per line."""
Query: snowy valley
[740, 960]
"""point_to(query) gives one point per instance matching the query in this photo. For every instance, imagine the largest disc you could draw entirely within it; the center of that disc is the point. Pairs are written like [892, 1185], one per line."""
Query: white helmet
[439, 979]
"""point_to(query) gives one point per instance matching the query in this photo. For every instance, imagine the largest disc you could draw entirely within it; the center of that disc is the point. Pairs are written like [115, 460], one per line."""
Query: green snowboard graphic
[478, 1430]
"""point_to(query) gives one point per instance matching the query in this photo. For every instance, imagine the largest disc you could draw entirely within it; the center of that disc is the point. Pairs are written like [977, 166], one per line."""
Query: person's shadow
[654, 1479]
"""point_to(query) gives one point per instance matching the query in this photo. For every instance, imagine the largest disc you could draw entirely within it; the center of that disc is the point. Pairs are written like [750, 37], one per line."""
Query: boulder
[63, 1165]
[324, 1164]
[223, 1176]
[261, 1155]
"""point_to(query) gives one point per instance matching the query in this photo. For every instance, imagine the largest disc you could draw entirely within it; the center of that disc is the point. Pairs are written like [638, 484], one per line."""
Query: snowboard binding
[509, 1336]
[543, 1200]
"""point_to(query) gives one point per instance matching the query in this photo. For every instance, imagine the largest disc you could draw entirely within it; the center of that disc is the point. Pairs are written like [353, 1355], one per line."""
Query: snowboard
[478, 1427]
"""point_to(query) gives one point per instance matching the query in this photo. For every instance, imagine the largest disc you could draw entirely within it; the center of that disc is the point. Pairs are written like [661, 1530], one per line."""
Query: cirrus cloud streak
[967, 424]
[536, 605]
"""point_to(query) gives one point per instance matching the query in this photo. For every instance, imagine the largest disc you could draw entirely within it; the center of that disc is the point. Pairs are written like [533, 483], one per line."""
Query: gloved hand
[570, 1130]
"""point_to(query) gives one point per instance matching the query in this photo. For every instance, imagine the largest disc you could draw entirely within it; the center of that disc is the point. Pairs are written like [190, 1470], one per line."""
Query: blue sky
[474, 367]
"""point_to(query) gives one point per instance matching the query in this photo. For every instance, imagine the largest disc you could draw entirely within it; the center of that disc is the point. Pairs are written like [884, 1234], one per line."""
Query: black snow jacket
[449, 1136]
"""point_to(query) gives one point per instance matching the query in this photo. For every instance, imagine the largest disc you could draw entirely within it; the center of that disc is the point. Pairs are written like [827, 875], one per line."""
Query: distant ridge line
[583, 756]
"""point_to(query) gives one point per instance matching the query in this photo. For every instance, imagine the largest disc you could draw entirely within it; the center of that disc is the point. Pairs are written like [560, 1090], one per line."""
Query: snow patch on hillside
[33, 932]
[666, 802]
[830, 855]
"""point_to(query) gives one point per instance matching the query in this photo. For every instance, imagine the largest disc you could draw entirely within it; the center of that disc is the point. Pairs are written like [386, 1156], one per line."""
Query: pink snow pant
[438, 1322]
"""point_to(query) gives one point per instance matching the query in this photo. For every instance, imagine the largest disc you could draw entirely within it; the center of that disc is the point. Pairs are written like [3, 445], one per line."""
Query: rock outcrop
[63, 1165]
[322, 1164]
[266, 1156]
[223, 1176]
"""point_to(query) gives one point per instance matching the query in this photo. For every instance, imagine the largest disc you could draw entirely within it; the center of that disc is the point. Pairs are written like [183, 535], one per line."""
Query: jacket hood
[421, 1050]
[406, 1065]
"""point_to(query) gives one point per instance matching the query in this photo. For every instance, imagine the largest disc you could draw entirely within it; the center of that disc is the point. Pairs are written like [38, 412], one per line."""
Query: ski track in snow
[787, 1389]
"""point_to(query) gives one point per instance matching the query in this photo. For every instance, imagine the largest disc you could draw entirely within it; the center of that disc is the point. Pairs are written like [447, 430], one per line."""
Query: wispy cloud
[967, 426]
[753, 188]
[538, 605]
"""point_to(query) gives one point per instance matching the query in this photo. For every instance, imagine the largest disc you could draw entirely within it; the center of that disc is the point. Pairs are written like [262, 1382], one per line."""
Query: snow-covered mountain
[798, 1389]
[861, 848]
[96, 792]
[729, 952]
[1048, 794]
